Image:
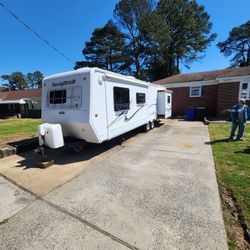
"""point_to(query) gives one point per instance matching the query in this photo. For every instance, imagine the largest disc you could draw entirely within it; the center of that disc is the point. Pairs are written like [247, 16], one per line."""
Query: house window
[245, 90]
[195, 91]
[121, 98]
[57, 96]
[140, 98]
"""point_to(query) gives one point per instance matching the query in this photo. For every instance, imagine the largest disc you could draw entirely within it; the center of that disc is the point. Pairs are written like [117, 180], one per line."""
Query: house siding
[181, 100]
[227, 96]
[220, 90]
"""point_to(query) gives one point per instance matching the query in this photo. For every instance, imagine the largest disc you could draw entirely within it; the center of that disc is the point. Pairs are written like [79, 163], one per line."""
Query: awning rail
[19, 101]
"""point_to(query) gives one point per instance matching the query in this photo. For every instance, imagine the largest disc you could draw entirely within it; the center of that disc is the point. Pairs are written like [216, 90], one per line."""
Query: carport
[14, 107]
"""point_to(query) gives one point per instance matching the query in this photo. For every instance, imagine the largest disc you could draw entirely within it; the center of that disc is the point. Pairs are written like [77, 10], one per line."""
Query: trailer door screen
[121, 98]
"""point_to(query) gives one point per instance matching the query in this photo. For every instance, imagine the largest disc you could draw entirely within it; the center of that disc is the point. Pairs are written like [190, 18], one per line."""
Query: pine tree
[34, 79]
[131, 15]
[187, 38]
[237, 45]
[106, 49]
[16, 81]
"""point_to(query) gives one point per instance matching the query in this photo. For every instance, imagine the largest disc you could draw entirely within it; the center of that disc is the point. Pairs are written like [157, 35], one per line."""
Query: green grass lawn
[232, 160]
[11, 129]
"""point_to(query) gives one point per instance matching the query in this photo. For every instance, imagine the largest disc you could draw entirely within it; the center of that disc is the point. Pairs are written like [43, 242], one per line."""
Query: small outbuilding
[214, 90]
[20, 103]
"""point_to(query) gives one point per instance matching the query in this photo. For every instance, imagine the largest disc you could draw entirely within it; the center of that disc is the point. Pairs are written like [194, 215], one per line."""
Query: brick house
[215, 90]
[24, 103]
[2, 88]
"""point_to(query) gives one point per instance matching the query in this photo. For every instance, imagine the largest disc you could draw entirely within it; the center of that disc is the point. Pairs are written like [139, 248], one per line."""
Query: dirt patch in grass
[233, 176]
[237, 230]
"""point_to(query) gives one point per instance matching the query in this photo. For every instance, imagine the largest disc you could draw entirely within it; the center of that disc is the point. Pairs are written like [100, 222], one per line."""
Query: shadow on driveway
[64, 155]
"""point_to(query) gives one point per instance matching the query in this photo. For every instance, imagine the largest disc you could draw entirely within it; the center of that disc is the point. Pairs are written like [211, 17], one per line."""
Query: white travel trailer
[96, 105]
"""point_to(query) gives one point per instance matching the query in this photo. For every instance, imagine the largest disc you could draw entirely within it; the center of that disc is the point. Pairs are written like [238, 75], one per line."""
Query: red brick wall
[181, 100]
[227, 96]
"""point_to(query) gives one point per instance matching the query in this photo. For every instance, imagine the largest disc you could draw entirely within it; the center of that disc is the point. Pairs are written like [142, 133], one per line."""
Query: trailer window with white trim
[57, 96]
[121, 99]
[68, 98]
[140, 98]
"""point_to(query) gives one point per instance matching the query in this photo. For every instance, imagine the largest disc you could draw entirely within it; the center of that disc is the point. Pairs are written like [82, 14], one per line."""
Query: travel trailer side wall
[95, 105]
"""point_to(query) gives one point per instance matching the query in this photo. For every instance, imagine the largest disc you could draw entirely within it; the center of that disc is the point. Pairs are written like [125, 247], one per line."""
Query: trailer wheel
[152, 124]
[147, 127]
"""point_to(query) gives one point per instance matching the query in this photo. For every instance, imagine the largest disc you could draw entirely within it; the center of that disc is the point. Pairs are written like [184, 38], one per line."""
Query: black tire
[147, 127]
[152, 124]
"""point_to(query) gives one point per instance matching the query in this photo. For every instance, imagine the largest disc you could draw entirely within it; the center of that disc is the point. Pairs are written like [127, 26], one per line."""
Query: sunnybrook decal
[64, 83]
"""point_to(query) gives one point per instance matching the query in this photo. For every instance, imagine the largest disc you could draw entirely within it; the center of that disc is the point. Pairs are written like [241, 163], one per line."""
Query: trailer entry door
[164, 104]
[168, 105]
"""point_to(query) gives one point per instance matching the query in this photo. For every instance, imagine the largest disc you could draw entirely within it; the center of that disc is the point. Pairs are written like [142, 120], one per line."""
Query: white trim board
[191, 84]
[207, 83]
[233, 79]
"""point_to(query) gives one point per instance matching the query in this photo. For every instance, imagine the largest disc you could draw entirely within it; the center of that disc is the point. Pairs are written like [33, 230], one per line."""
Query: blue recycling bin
[190, 114]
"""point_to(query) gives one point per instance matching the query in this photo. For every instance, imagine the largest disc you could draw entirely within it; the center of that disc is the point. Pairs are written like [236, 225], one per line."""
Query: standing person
[239, 115]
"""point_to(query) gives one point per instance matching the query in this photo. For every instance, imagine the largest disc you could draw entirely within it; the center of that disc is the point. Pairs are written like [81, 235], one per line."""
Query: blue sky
[68, 24]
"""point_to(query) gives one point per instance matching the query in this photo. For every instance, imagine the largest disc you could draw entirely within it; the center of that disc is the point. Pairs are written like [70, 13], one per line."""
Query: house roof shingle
[19, 94]
[205, 76]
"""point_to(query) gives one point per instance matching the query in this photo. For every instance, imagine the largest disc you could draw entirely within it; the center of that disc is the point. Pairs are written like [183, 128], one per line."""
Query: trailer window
[140, 98]
[121, 98]
[69, 98]
[169, 99]
[57, 96]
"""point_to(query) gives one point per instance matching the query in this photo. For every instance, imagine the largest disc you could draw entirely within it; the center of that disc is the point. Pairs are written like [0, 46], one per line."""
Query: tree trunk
[137, 67]
[177, 63]
[248, 57]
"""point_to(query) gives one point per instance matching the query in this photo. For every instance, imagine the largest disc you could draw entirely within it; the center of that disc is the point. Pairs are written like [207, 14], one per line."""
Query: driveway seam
[64, 211]
[22, 209]
[18, 185]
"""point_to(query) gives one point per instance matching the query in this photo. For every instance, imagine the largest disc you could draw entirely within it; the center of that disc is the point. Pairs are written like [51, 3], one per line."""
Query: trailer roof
[108, 74]
[67, 73]
[120, 76]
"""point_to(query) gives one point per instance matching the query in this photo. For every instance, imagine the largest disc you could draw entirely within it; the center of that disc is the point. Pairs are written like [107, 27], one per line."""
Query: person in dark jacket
[239, 116]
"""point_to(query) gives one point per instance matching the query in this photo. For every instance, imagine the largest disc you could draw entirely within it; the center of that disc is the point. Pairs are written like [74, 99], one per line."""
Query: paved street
[154, 191]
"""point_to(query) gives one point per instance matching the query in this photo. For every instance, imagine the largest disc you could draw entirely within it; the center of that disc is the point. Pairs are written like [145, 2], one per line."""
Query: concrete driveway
[158, 191]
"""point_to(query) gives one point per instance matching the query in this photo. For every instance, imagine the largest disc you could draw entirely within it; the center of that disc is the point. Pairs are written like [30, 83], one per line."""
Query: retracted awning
[19, 101]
